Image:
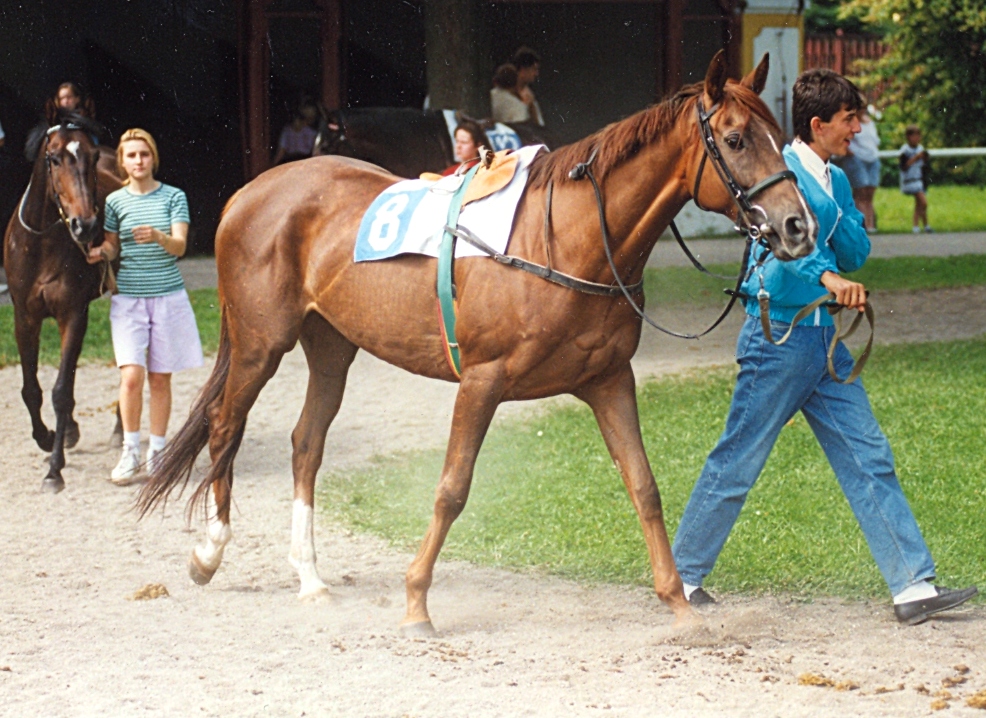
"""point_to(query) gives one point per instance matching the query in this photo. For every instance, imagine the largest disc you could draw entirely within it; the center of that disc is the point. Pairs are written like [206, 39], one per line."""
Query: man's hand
[849, 294]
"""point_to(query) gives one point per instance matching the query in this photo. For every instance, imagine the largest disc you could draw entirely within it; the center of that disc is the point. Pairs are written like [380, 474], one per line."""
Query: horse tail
[173, 466]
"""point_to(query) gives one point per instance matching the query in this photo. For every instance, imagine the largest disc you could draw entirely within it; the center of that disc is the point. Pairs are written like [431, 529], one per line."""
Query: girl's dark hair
[525, 57]
[475, 131]
[505, 76]
[821, 93]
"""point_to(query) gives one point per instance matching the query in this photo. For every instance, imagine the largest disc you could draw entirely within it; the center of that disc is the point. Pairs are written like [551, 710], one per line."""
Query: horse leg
[27, 330]
[329, 357]
[73, 331]
[614, 402]
[250, 369]
[479, 394]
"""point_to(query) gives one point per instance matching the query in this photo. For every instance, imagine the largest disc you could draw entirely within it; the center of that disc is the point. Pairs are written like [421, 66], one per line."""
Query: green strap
[446, 298]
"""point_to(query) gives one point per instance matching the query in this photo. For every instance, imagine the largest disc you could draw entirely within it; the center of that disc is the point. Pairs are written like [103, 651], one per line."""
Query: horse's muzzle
[84, 231]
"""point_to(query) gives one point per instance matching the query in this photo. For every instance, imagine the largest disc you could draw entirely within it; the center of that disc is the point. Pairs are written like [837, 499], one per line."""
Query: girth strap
[445, 284]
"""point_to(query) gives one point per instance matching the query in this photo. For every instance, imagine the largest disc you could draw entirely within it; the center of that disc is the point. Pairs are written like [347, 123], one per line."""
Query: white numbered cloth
[409, 217]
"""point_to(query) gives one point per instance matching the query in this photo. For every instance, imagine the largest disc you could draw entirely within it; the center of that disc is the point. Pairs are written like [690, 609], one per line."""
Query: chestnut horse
[44, 253]
[284, 251]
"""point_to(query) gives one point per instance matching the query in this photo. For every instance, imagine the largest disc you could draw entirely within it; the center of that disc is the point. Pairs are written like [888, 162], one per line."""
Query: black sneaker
[915, 612]
[700, 597]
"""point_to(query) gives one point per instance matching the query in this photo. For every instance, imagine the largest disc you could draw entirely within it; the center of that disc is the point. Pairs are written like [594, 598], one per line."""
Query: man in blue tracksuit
[775, 382]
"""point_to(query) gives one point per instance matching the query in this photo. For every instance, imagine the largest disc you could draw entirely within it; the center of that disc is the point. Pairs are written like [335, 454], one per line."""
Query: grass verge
[98, 346]
[951, 208]
[670, 285]
[546, 495]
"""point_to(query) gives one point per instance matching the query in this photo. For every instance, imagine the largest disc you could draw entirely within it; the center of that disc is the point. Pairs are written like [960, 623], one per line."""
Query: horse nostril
[794, 228]
[75, 226]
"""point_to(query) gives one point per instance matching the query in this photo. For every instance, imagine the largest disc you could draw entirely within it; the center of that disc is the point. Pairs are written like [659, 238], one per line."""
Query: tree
[934, 72]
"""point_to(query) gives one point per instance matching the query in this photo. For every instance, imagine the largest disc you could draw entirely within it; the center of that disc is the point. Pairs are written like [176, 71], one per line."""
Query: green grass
[668, 286]
[546, 496]
[951, 208]
[98, 346]
[686, 285]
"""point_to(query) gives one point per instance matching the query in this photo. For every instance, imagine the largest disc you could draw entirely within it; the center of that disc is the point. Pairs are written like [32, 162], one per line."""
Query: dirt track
[510, 644]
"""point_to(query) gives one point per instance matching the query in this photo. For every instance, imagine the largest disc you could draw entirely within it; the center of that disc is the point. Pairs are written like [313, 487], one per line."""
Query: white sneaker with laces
[126, 468]
[149, 461]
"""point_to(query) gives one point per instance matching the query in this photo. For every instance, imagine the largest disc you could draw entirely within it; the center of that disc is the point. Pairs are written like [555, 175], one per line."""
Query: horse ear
[715, 77]
[757, 78]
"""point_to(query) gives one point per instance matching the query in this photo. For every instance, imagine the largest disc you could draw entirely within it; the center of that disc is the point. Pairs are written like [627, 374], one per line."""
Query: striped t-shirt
[146, 270]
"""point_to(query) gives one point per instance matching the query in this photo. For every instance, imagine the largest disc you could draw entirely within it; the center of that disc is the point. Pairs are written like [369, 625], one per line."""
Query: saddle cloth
[500, 135]
[409, 217]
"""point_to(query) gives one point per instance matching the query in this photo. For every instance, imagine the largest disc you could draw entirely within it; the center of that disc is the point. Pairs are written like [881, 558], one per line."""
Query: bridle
[107, 275]
[753, 232]
[63, 217]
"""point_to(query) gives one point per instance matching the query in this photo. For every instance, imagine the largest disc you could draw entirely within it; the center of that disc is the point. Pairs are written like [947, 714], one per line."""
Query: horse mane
[83, 122]
[618, 142]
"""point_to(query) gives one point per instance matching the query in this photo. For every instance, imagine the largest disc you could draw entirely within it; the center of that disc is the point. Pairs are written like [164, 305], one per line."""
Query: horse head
[739, 137]
[71, 157]
[331, 137]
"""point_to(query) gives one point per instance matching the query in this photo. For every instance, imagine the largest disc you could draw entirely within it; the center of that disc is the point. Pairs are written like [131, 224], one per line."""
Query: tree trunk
[455, 49]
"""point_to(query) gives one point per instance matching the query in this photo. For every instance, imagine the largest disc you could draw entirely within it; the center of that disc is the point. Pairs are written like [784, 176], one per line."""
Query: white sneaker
[126, 469]
[149, 461]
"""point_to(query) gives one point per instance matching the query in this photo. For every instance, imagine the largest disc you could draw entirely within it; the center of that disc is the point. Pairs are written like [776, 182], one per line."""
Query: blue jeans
[773, 384]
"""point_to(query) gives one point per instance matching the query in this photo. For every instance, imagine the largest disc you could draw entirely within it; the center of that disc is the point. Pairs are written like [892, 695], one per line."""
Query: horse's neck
[36, 211]
[641, 197]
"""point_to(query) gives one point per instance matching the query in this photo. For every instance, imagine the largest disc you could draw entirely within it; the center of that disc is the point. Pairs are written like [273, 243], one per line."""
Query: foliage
[934, 71]
[823, 17]
[546, 495]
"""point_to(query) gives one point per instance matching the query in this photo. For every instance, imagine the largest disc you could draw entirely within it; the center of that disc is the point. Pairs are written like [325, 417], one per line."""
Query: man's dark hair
[821, 93]
[525, 57]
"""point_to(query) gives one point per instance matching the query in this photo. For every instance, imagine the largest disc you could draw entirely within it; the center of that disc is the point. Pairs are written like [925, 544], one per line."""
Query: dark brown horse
[58, 218]
[286, 273]
[403, 140]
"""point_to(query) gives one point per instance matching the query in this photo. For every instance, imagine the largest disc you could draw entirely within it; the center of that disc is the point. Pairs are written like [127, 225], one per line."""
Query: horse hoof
[46, 442]
[52, 484]
[319, 595]
[199, 573]
[72, 435]
[418, 629]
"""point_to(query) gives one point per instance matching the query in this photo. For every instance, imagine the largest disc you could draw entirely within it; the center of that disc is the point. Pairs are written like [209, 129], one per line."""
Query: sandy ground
[510, 644]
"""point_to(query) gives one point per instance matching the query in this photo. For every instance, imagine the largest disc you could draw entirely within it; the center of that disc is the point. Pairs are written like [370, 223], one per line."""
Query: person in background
[469, 137]
[528, 64]
[913, 177]
[68, 99]
[151, 318]
[298, 137]
[505, 102]
[775, 382]
[862, 167]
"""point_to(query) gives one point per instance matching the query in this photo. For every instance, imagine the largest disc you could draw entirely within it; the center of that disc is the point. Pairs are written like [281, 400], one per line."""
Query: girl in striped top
[154, 330]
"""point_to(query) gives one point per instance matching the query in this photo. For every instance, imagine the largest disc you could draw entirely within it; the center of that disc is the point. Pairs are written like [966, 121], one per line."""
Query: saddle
[490, 177]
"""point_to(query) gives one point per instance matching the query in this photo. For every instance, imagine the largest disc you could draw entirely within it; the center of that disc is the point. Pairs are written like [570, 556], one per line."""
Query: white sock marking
[218, 535]
[302, 555]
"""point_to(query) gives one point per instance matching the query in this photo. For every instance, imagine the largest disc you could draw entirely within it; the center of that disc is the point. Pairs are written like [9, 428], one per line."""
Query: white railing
[940, 152]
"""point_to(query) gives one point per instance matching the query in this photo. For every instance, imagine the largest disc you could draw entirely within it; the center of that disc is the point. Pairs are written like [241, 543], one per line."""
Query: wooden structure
[687, 33]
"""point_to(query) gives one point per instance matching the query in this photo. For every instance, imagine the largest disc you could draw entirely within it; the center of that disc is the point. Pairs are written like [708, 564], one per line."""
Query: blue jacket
[843, 246]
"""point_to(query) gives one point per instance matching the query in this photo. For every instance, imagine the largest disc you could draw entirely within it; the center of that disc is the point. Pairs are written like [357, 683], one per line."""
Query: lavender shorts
[157, 333]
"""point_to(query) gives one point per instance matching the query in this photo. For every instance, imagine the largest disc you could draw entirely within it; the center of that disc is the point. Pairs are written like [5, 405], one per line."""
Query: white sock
[916, 592]
[157, 443]
[689, 590]
[131, 440]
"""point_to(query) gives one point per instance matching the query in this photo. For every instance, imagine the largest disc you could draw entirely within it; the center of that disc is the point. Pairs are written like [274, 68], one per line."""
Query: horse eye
[734, 141]
[55, 161]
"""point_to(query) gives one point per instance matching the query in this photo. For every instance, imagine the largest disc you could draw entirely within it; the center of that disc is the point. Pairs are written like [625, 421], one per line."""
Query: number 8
[387, 222]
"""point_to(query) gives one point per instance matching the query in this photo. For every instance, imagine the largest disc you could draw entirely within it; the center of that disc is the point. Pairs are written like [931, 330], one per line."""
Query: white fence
[940, 152]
